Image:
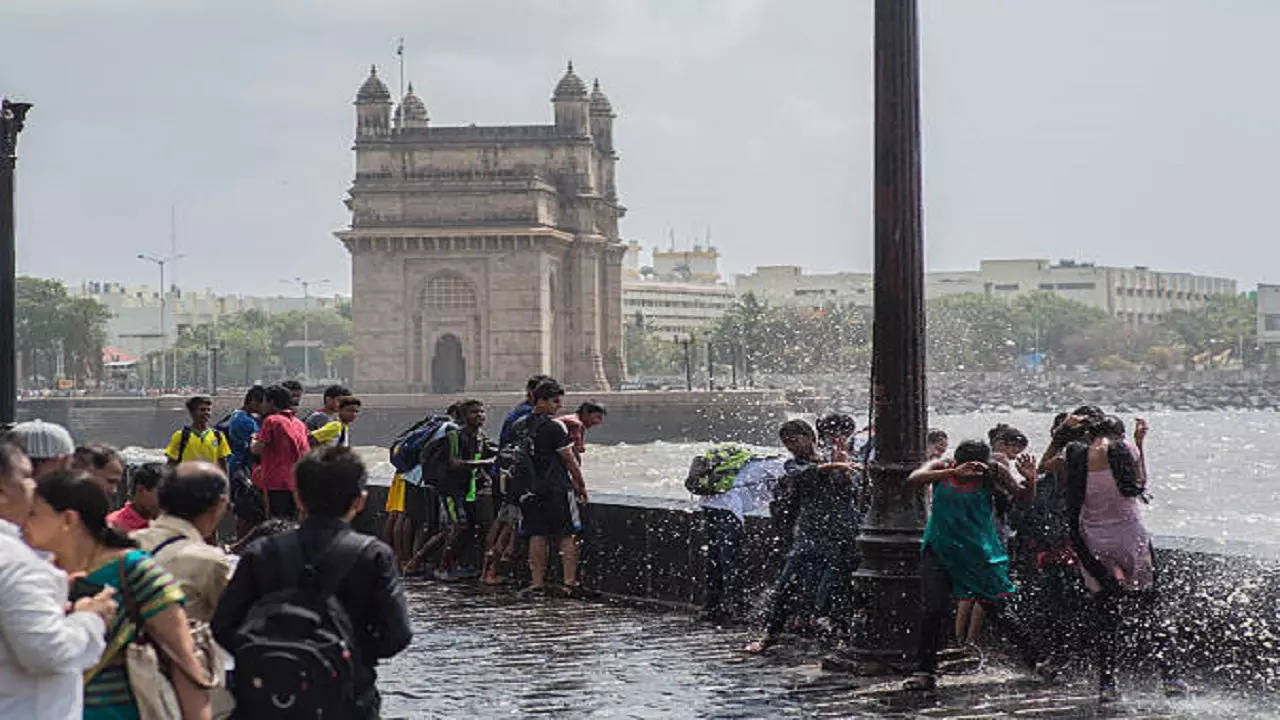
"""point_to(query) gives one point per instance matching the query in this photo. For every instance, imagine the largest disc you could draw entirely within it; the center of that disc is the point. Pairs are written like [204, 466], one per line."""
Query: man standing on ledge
[556, 491]
[282, 441]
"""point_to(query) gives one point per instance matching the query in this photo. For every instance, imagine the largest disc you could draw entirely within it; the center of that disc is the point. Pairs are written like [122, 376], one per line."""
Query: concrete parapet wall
[1223, 600]
[634, 417]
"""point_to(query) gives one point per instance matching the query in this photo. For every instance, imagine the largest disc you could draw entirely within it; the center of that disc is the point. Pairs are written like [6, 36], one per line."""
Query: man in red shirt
[280, 443]
[589, 415]
[144, 505]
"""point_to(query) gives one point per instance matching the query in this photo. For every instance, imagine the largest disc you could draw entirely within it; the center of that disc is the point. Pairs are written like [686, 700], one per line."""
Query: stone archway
[448, 366]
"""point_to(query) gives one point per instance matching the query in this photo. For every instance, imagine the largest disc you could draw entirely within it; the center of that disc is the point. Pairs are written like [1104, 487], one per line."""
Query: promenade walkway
[479, 654]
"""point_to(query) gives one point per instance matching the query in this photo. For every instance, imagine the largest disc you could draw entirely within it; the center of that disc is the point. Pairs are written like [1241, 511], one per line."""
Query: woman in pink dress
[1106, 486]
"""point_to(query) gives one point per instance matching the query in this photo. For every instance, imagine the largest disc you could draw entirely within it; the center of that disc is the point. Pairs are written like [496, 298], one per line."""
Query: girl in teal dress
[69, 519]
[961, 555]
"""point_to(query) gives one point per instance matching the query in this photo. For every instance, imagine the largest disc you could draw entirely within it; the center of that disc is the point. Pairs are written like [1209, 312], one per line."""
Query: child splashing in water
[961, 555]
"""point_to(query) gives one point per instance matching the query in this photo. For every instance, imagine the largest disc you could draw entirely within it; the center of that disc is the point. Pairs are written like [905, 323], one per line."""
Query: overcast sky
[1122, 132]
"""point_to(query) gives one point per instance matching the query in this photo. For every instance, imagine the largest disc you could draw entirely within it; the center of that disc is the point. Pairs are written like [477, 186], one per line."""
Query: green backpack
[714, 471]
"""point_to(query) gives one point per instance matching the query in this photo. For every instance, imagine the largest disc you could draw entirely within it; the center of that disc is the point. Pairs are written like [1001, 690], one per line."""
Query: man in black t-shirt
[553, 507]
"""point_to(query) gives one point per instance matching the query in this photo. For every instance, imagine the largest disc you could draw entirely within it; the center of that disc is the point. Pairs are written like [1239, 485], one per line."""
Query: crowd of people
[133, 609]
[142, 612]
[532, 478]
[1051, 551]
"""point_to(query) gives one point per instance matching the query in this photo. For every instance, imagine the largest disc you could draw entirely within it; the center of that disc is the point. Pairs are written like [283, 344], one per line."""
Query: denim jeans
[725, 591]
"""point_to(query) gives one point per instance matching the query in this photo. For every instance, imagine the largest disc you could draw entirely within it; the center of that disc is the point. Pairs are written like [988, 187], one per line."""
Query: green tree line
[964, 332]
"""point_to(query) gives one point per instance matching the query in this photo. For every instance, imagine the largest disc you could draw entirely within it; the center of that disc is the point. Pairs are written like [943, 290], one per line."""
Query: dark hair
[590, 407]
[836, 425]
[191, 490]
[8, 451]
[329, 480]
[336, 391]
[349, 401]
[452, 410]
[534, 381]
[1007, 434]
[96, 456]
[935, 435]
[278, 395]
[292, 385]
[196, 401]
[257, 393]
[547, 389]
[1058, 420]
[267, 528]
[971, 451]
[465, 405]
[792, 428]
[1093, 412]
[76, 490]
[149, 475]
[1109, 426]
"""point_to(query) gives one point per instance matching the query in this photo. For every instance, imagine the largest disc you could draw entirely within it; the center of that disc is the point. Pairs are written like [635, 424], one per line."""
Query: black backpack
[518, 458]
[295, 652]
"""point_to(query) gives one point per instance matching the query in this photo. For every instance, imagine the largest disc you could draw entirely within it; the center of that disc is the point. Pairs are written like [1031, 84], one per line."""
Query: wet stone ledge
[1222, 600]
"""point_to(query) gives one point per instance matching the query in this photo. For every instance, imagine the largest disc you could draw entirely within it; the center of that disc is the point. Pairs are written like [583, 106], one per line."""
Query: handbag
[148, 662]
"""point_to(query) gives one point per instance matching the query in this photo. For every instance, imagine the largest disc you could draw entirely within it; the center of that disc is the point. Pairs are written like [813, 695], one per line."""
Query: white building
[1137, 295]
[678, 295]
[136, 324]
[1269, 322]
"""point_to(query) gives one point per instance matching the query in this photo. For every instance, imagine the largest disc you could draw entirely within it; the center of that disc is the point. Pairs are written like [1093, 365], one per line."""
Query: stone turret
[571, 104]
[413, 113]
[373, 106]
[601, 119]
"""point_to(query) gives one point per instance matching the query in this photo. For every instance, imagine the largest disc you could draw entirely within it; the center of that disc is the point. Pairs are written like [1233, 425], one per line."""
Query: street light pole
[890, 536]
[306, 322]
[164, 325]
[13, 116]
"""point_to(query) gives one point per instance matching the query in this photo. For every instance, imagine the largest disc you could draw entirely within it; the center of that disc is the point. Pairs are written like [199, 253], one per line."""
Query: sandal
[1108, 693]
[533, 592]
[577, 592]
[1176, 688]
[921, 681]
[755, 647]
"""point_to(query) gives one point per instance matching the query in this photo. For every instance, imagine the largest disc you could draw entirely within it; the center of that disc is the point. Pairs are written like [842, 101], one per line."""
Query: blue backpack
[406, 449]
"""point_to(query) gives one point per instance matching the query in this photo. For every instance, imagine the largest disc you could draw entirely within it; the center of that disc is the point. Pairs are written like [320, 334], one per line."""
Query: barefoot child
[961, 556]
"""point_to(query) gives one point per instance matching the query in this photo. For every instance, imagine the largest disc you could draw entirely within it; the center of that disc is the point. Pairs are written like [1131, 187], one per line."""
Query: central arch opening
[448, 367]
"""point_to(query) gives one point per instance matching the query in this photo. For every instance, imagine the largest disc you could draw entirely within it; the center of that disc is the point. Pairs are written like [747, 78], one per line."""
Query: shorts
[510, 514]
[395, 495]
[555, 514]
[281, 504]
[415, 502]
[455, 510]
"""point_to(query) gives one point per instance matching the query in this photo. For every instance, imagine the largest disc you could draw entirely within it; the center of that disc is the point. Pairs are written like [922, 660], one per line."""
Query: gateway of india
[482, 255]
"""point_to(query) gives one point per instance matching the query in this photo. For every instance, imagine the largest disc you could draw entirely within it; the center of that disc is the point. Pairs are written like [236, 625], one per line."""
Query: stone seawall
[1054, 391]
[1223, 600]
[634, 417]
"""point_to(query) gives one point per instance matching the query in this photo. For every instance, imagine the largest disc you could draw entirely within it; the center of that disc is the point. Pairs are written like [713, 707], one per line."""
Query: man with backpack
[198, 441]
[240, 427]
[731, 481]
[456, 465]
[548, 482]
[288, 664]
[407, 452]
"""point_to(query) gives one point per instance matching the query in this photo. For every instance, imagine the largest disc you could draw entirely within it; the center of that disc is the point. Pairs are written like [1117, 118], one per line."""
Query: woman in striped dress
[69, 519]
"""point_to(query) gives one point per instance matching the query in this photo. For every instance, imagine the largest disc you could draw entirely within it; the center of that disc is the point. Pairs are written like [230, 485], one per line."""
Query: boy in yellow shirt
[338, 432]
[198, 441]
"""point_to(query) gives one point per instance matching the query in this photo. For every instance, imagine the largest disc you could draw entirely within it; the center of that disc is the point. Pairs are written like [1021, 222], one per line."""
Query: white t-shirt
[752, 488]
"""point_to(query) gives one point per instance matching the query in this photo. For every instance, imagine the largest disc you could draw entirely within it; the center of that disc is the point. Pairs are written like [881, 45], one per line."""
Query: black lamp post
[13, 116]
[890, 537]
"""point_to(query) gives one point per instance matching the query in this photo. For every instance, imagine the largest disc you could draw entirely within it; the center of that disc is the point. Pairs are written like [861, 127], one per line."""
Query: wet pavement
[482, 654]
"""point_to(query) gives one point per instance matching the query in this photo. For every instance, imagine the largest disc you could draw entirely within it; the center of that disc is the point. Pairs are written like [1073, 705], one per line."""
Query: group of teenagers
[1066, 526]
[532, 477]
[137, 614]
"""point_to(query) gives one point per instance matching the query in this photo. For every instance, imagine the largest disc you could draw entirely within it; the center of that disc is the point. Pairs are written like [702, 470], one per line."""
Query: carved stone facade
[482, 255]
